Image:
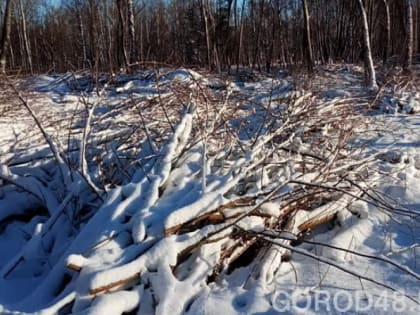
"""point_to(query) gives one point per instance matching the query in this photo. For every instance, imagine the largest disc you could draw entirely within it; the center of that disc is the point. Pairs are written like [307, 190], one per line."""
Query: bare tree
[5, 39]
[211, 33]
[410, 36]
[206, 26]
[241, 33]
[387, 49]
[369, 67]
[308, 41]
[131, 30]
[26, 45]
[122, 33]
[82, 31]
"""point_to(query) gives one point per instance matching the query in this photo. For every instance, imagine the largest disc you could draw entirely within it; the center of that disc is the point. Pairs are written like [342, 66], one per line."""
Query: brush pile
[177, 191]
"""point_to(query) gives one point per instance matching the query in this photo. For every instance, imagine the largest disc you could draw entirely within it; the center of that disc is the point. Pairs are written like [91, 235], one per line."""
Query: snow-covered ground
[131, 226]
[306, 286]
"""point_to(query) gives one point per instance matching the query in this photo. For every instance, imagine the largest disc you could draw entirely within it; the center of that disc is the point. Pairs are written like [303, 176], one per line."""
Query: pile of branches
[228, 182]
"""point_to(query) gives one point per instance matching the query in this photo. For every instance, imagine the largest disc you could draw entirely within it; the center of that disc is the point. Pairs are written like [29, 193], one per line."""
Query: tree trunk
[410, 37]
[108, 37]
[240, 44]
[131, 31]
[82, 33]
[206, 26]
[121, 34]
[308, 41]
[26, 45]
[369, 67]
[387, 49]
[5, 39]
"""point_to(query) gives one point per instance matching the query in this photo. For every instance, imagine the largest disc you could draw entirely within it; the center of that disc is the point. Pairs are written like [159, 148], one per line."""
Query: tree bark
[206, 26]
[5, 39]
[308, 41]
[27, 47]
[369, 67]
[387, 49]
[131, 31]
[240, 44]
[121, 34]
[410, 37]
[108, 27]
[82, 33]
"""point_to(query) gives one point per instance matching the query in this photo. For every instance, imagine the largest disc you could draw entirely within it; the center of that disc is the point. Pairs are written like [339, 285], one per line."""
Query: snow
[116, 303]
[125, 256]
[406, 103]
[183, 75]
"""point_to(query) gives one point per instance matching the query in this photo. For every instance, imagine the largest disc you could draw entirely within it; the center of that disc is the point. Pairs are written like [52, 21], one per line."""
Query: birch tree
[369, 67]
[209, 33]
[131, 31]
[81, 25]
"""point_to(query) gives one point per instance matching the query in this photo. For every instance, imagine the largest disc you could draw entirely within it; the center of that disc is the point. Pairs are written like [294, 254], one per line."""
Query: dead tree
[369, 67]
[5, 39]
[308, 41]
